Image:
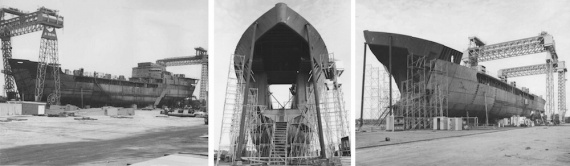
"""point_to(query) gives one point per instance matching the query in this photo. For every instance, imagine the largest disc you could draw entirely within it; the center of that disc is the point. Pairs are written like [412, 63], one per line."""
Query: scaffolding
[425, 92]
[232, 110]
[335, 120]
[294, 141]
[385, 97]
[372, 92]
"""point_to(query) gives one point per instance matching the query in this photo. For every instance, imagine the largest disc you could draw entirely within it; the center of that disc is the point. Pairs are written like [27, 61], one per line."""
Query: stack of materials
[91, 112]
[57, 109]
[114, 111]
[7, 109]
[22, 108]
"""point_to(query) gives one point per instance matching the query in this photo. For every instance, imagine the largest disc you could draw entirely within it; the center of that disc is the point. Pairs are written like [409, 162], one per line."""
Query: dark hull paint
[284, 46]
[466, 94]
[96, 92]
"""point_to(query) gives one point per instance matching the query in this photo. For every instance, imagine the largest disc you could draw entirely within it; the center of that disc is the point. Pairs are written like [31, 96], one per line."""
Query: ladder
[157, 101]
[382, 117]
[278, 154]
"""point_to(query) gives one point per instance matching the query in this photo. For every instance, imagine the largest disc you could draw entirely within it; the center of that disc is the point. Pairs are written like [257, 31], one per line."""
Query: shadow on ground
[137, 147]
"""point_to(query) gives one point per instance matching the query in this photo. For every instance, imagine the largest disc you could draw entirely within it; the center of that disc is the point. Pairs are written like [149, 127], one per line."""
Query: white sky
[451, 23]
[112, 36]
[232, 18]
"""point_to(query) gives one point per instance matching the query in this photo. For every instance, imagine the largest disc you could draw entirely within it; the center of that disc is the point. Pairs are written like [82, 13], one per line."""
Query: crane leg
[48, 49]
[9, 82]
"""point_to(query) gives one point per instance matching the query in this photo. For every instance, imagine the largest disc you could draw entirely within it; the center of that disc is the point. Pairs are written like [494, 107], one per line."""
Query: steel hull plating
[80, 90]
[468, 96]
[469, 91]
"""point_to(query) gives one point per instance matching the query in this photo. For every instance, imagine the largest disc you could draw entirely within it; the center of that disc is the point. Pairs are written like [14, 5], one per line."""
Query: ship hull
[95, 92]
[470, 93]
[468, 96]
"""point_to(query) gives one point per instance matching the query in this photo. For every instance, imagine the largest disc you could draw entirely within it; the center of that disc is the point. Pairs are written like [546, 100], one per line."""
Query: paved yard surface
[377, 137]
[106, 141]
[521, 146]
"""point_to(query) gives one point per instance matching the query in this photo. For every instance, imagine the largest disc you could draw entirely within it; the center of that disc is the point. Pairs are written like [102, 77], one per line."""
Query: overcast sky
[451, 22]
[232, 18]
[112, 36]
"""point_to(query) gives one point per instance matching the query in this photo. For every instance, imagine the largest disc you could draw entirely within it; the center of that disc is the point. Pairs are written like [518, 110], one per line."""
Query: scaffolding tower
[273, 142]
[334, 115]
[385, 97]
[425, 92]
[232, 109]
[372, 92]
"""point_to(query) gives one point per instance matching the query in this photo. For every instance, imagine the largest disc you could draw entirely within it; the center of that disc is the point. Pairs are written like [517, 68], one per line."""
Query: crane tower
[479, 52]
[201, 58]
[15, 22]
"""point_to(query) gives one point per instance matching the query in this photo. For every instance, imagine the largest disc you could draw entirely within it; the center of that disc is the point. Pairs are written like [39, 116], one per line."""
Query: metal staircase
[382, 117]
[279, 140]
[157, 101]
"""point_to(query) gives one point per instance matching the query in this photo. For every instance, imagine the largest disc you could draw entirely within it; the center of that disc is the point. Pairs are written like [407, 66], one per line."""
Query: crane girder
[201, 58]
[10, 10]
[479, 52]
[523, 71]
[530, 70]
[532, 45]
[28, 22]
[182, 61]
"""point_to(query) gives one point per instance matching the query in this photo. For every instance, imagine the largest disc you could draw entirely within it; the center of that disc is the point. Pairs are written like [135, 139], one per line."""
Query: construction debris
[13, 119]
[122, 117]
[84, 118]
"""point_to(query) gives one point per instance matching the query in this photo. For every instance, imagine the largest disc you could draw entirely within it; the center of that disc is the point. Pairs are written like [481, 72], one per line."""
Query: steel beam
[481, 52]
[315, 78]
[549, 108]
[362, 95]
[182, 61]
[247, 72]
[523, 71]
[562, 93]
[29, 22]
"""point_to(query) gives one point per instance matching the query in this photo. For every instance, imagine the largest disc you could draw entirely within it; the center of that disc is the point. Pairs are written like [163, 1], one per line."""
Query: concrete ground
[344, 161]
[106, 141]
[538, 145]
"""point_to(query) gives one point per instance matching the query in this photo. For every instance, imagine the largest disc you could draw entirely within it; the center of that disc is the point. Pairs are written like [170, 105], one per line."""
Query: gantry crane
[560, 68]
[23, 23]
[544, 42]
[201, 58]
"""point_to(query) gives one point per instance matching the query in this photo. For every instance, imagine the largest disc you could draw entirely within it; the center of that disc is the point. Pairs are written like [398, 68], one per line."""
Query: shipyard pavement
[105, 141]
[537, 145]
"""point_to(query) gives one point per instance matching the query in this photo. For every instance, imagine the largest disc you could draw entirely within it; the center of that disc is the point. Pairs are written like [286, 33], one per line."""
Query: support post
[486, 111]
[317, 101]
[362, 95]
[48, 49]
[82, 98]
[241, 137]
[9, 82]
[390, 79]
